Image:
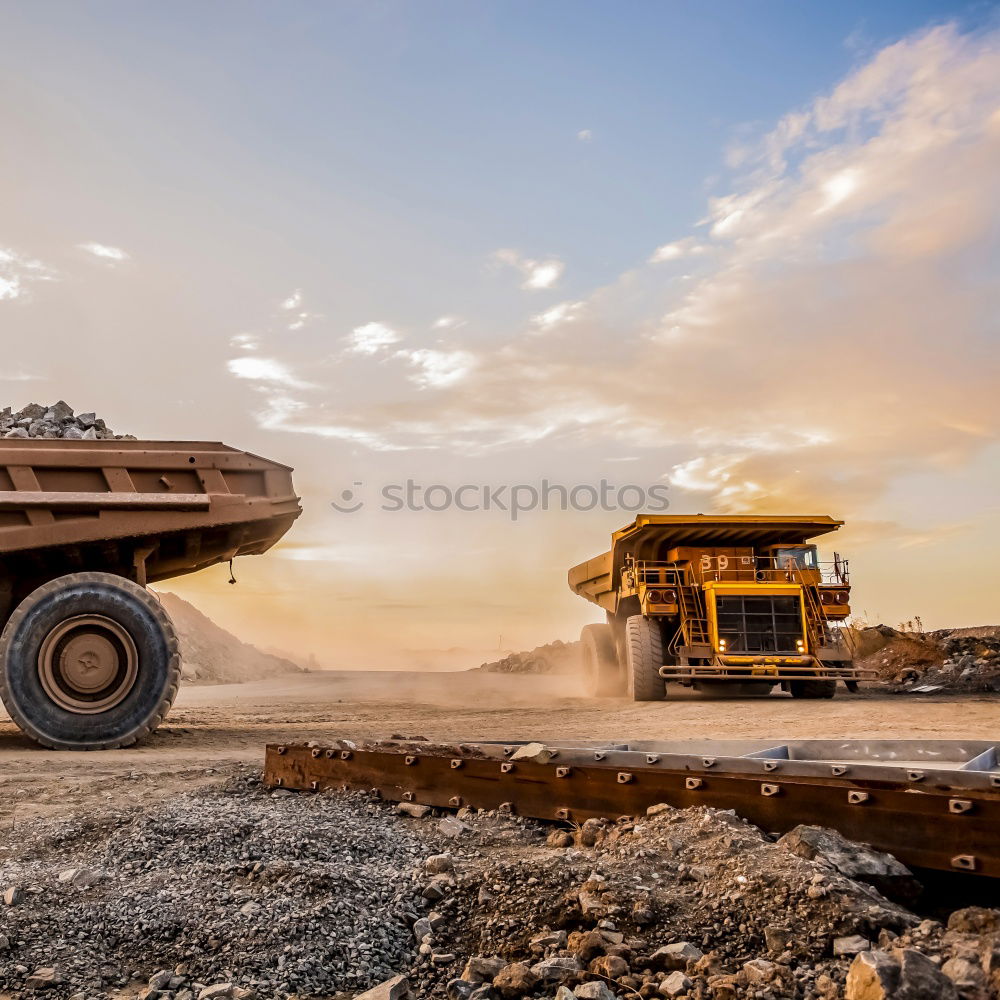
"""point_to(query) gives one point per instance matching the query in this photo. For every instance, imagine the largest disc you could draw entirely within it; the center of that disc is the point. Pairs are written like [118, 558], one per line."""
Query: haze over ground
[748, 253]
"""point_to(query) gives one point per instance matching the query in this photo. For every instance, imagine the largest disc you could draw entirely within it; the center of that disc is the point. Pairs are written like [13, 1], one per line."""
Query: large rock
[902, 974]
[396, 988]
[675, 956]
[864, 864]
[515, 980]
[483, 968]
[555, 970]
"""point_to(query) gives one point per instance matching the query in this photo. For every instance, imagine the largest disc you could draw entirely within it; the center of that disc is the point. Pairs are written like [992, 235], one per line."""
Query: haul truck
[88, 657]
[707, 601]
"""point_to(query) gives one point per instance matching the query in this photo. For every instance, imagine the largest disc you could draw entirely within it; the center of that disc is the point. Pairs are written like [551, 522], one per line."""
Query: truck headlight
[800, 645]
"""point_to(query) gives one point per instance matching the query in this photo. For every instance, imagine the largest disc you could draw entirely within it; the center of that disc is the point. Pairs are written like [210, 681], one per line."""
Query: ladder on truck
[694, 624]
[821, 632]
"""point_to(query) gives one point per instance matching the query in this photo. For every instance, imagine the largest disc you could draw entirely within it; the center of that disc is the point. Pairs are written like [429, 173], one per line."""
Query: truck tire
[644, 657]
[89, 661]
[602, 675]
[812, 689]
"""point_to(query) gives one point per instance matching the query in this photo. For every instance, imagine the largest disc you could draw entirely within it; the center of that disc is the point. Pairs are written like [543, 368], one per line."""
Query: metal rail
[933, 804]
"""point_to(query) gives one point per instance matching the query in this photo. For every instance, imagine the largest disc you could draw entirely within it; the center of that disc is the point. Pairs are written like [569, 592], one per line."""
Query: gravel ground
[233, 891]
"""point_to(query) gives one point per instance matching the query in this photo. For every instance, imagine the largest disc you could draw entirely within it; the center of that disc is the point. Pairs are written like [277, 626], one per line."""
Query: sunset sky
[744, 252]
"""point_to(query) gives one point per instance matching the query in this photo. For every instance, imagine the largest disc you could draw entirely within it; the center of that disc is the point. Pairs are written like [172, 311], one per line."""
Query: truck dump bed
[148, 510]
[651, 536]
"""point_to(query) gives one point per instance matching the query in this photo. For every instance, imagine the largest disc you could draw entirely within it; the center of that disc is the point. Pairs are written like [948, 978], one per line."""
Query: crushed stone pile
[238, 892]
[211, 655]
[962, 660]
[56, 421]
[553, 658]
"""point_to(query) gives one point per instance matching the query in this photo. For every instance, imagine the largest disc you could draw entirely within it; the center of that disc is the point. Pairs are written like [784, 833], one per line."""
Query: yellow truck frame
[705, 601]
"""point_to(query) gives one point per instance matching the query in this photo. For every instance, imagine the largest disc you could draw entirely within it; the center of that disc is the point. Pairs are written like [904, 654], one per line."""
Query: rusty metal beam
[933, 817]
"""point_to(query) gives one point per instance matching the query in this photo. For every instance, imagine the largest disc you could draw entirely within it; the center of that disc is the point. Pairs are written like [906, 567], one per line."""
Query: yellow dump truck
[706, 601]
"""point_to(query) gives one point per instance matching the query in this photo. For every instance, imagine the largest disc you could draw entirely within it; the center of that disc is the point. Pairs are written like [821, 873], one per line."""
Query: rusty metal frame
[931, 804]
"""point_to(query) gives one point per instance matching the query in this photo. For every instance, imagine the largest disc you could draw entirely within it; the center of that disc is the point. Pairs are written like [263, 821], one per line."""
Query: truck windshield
[804, 558]
[768, 623]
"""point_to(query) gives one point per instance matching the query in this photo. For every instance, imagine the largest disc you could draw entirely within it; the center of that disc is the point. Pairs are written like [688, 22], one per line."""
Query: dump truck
[88, 657]
[733, 605]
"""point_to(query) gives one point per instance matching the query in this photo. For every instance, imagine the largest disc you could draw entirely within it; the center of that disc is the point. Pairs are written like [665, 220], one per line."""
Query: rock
[537, 753]
[564, 993]
[58, 412]
[587, 944]
[903, 974]
[967, 975]
[975, 920]
[219, 990]
[656, 810]
[437, 888]
[460, 989]
[675, 985]
[593, 831]
[549, 939]
[13, 895]
[42, 978]
[442, 957]
[452, 827]
[397, 988]
[555, 970]
[438, 864]
[16, 432]
[777, 939]
[675, 956]
[515, 980]
[596, 990]
[816, 843]
[609, 966]
[760, 970]
[79, 878]
[559, 838]
[414, 809]
[86, 420]
[422, 928]
[483, 968]
[160, 980]
[845, 947]
[73, 433]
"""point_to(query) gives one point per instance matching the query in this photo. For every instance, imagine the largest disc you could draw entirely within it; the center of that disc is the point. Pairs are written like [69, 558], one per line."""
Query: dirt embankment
[965, 660]
[211, 655]
[553, 658]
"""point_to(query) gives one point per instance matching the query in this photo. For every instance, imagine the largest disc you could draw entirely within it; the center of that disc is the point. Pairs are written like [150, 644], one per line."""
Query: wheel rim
[88, 664]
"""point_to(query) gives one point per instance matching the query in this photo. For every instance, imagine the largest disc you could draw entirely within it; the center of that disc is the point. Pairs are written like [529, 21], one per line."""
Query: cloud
[585, 135]
[371, 338]
[105, 252]
[269, 371]
[448, 323]
[564, 312]
[437, 369]
[674, 251]
[18, 271]
[293, 302]
[245, 342]
[537, 274]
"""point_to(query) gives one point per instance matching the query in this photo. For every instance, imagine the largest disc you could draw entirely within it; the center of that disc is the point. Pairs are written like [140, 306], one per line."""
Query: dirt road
[212, 728]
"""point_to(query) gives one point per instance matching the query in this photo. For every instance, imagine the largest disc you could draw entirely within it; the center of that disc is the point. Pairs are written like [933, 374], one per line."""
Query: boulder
[902, 974]
[483, 968]
[397, 988]
[675, 985]
[675, 956]
[596, 990]
[515, 980]
[864, 864]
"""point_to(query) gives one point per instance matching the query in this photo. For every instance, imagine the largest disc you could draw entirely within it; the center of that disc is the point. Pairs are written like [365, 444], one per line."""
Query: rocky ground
[965, 660]
[56, 421]
[233, 891]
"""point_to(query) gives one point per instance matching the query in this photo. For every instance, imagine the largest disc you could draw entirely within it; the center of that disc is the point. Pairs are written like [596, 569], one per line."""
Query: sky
[738, 257]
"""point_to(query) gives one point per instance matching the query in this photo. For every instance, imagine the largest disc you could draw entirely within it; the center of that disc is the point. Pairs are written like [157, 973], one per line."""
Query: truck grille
[759, 624]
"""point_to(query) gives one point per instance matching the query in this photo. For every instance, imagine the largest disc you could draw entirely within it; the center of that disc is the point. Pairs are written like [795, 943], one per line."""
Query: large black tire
[89, 661]
[812, 689]
[644, 657]
[601, 672]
